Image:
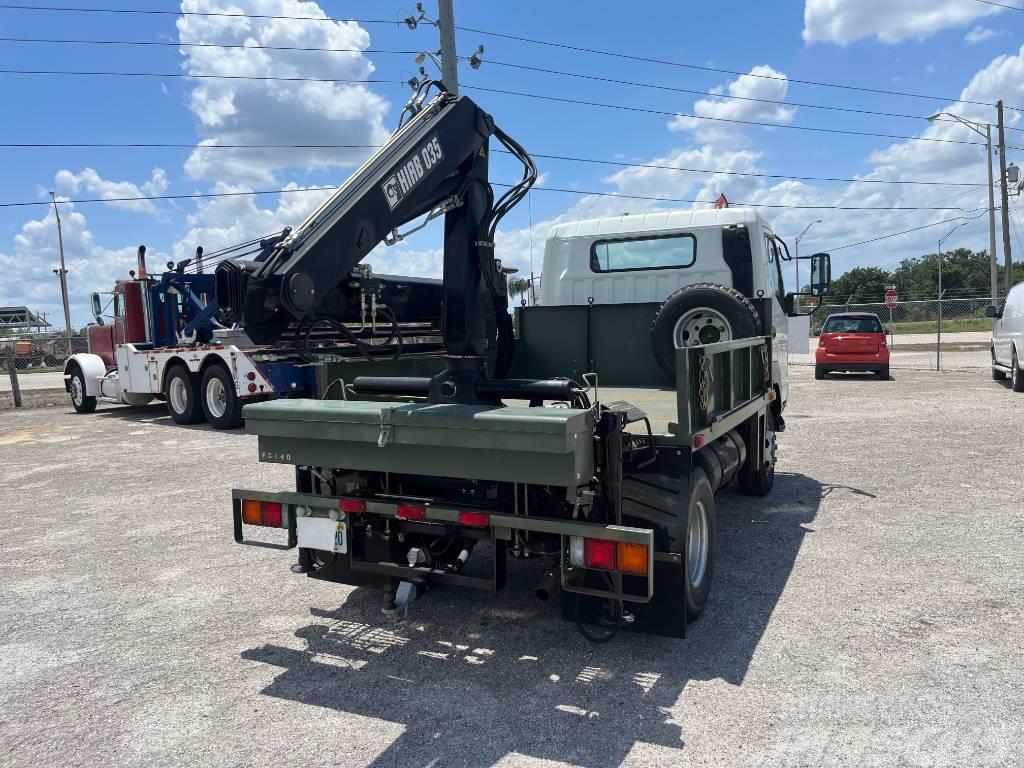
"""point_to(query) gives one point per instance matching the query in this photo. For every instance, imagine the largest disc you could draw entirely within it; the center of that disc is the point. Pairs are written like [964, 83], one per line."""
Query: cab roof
[659, 221]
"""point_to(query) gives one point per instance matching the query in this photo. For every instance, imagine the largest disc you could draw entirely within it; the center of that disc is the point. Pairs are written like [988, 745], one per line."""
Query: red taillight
[352, 506]
[411, 512]
[599, 553]
[270, 513]
[250, 376]
[252, 387]
[475, 519]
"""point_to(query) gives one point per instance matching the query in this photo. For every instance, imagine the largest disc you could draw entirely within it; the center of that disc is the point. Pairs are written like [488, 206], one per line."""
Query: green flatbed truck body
[535, 471]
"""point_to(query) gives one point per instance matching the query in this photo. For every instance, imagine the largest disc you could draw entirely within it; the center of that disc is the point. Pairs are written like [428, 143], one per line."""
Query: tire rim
[76, 390]
[1014, 373]
[701, 326]
[177, 393]
[216, 397]
[697, 546]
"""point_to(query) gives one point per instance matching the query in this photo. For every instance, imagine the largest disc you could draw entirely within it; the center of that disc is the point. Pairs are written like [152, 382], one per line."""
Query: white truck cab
[652, 257]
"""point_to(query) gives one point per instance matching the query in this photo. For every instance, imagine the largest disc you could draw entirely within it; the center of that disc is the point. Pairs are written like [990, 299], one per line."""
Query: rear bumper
[871, 362]
[855, 367]
[499, 529]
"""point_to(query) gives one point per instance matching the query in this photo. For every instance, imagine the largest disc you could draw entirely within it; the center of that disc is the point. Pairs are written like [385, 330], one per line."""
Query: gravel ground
[868, 612]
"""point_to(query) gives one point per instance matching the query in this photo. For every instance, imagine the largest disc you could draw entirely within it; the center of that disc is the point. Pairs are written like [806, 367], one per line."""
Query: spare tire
[703, 313]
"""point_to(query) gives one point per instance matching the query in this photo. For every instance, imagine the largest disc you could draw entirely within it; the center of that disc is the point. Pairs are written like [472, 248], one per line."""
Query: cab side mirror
[97, 306]
[821, 273]
[992, 311]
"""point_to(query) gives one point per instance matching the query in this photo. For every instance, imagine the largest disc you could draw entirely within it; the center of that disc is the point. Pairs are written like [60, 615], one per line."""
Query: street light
[987, 134]
[938, 301]
[796, 261]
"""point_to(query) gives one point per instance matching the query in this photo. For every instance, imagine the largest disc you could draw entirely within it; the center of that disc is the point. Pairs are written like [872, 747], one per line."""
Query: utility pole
[1004, 198]
[993, 256]
[449, 57]
[62, 273]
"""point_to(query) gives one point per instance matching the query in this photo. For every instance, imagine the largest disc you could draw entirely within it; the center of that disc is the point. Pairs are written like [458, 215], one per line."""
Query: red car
[852, 341]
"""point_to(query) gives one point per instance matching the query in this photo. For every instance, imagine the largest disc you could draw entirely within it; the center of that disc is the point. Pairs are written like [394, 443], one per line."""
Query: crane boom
[434, 164]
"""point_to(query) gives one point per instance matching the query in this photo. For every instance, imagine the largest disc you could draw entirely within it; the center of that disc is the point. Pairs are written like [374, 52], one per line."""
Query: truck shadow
[473, 677]
[156, 414]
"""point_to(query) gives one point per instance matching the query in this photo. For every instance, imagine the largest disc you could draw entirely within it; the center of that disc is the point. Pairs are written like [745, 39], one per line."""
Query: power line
[711, 95]
[169, 44]
[1001, 5]
[719, 70]
[542, 155]
[875, 224]
[731, 121]
[205, 195]
[560, 99]
[904, 232]
[524, 39]
[494, 62]
[98, 73]
[219, 14]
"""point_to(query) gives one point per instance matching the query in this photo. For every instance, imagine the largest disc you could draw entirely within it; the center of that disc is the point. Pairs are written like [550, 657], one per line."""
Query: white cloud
[278, 112]
[756, 91]
[845, 21]
[980, 34]
[88, 180]
[27, 270]
[225, 221]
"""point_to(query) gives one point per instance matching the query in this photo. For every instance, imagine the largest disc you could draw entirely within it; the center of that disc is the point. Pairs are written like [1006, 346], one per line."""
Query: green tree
[863, 284]
[517, 286]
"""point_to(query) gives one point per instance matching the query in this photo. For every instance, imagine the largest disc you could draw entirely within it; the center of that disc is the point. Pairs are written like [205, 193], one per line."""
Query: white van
[1008, 338]
[719, 255]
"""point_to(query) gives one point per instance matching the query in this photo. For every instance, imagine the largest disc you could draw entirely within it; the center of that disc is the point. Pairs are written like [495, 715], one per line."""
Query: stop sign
[891, 299]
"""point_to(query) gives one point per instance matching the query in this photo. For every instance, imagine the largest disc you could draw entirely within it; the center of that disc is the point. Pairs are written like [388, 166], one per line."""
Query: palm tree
[518, 286]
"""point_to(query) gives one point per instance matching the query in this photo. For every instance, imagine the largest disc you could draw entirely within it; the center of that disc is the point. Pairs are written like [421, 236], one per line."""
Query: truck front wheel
[82, 402]
[221, 403]
[181, 395]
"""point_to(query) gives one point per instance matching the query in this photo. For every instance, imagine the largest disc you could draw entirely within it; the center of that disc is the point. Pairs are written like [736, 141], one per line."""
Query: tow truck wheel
[1016, 376]
[221, 404]
[181, 395]
[82, 402]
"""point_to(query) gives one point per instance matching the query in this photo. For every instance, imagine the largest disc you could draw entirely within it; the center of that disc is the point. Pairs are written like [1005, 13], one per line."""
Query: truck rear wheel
[759, 481]
[221, 404]
[82, 402]
[704, 313]
[654, 500]
[181, 395]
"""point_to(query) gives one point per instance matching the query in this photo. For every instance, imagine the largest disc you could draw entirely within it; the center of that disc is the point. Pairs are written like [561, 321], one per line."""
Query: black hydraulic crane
[435, 164]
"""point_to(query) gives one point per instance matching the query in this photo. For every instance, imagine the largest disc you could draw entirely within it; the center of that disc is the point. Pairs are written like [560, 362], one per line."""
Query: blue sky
[939, 47]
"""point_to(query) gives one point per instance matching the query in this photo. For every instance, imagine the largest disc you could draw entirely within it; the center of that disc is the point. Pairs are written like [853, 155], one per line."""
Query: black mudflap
[654, 497]
[664, 615]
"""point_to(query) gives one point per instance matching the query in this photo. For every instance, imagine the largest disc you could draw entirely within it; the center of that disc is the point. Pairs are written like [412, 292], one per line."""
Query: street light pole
[938, 300]
[63, 273]
[993, 259]
[796, 261]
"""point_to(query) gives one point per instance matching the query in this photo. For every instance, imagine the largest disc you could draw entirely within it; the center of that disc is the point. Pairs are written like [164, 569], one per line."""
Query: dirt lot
[869, 613]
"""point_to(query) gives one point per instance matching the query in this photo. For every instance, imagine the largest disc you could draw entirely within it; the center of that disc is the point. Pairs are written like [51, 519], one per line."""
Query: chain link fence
[35, 366]
[937, 335]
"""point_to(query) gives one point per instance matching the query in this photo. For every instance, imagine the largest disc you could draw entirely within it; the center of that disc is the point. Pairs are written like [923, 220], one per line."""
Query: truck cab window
[667, 252]
[774, 260]
[118, 305]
